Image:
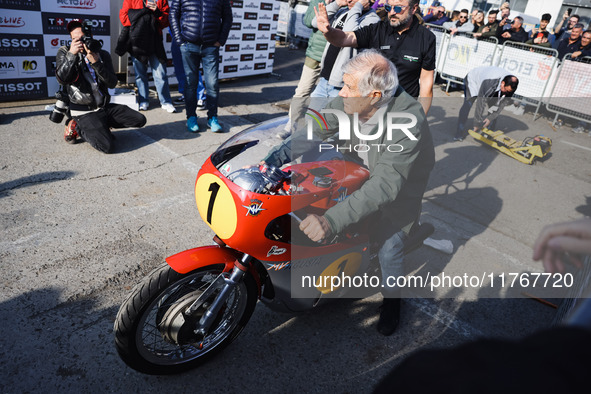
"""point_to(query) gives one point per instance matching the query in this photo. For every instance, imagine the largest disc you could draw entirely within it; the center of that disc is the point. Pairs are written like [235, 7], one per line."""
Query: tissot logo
[246, 67]
[251, 16]
[232, 48]
[233, 37]
[231, 58]
[236, 3]
[264, 26]
[261, 57]
[23, 5]
[230, 69]
[19, 87]
[262, 47]
[247, 47]
[236, 26]
[250, 4]
[12, 21]
[54, 23]
[237, 15]
[267, 6]
[260, 66]
[31, 88]
[250, 26]
[263, 37]
[265, 16]
[78, 4]
[246, 57]
[248, 37]
[21, 45]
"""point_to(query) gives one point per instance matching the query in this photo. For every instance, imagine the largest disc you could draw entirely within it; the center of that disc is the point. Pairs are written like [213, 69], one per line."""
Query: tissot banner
[31, 32]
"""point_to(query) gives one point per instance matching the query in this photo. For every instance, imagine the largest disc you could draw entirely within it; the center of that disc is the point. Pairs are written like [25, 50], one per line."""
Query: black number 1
[213, 188]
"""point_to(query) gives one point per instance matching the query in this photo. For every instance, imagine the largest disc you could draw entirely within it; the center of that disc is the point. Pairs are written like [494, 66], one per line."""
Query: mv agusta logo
[345, 128]
[255, 207]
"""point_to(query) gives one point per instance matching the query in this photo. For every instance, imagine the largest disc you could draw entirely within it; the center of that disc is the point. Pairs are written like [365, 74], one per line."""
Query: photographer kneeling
[86, 72]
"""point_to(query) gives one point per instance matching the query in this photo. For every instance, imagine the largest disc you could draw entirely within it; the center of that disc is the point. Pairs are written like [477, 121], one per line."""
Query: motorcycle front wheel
[147, 334]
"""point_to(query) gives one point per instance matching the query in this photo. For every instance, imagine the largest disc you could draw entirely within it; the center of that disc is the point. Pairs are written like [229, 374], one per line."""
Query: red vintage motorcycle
[196, 303]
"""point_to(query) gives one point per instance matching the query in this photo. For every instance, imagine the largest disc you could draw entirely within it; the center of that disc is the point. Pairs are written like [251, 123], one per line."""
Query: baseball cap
[74, 23]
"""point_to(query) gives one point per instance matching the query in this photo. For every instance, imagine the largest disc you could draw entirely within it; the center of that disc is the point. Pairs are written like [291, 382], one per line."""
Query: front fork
[226, 282]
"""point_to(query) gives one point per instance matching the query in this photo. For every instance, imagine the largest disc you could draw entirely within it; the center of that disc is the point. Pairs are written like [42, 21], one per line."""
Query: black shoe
[389, 316]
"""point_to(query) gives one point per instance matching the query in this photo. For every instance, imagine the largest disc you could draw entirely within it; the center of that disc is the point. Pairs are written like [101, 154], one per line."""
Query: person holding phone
[540, 35]
[146, 19]
[562, 31]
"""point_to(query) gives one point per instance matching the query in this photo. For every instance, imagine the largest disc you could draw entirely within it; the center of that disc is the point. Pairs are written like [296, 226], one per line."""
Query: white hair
[375, 72]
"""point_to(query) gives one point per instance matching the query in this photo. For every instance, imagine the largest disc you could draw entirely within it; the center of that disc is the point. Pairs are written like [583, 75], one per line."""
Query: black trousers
[94, 127]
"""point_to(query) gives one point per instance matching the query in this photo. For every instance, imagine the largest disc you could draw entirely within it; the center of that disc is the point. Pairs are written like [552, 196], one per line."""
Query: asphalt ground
[80, 228]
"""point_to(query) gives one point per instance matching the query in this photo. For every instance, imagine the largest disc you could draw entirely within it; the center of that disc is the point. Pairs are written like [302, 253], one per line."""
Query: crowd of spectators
[567, 37]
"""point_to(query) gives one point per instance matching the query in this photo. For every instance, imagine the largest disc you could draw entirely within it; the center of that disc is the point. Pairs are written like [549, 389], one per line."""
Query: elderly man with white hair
[393, 194]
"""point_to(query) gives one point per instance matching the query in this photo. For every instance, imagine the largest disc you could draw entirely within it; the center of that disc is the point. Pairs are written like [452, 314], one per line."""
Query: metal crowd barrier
[571, 92]
[441, 39]
[533, 65]
[464, 53]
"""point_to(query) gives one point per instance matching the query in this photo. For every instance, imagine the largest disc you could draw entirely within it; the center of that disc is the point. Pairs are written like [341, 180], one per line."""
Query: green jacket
[393, 193]
[316, 42]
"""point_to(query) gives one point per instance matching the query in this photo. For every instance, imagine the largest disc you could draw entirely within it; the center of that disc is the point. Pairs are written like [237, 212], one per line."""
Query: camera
[92, 44]
[61, 107]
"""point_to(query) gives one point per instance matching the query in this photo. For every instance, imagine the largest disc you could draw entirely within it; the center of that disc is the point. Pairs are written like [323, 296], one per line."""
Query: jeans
[160, 80]
[324, 89]
[391, 257]
[193, 55]
[177, 62]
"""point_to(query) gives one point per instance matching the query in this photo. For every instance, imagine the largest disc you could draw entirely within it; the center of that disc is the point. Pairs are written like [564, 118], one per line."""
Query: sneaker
[144, 106]
[389, 316]
[71, 134]
[201, 104]
[169, 108]
[179, 100]
[192, 125]
[578, 130]
[214, 125]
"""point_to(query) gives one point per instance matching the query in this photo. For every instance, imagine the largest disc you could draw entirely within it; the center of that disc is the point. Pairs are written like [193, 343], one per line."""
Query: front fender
[192, 259]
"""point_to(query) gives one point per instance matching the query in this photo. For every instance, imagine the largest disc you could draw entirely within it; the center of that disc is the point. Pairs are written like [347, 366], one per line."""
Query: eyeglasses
[397, 8]
[463, 17]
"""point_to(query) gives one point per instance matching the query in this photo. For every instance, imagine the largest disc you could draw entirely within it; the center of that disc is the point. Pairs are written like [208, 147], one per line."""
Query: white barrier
[465, 53]
[533, 65]
[571, 85]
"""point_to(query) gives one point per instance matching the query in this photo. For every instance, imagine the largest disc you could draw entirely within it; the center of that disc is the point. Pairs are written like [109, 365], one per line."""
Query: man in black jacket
[201, 27]
[87, 76]
[515, 33]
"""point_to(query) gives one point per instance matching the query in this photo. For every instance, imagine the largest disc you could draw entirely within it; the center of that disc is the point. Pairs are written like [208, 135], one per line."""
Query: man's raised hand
[322, 18]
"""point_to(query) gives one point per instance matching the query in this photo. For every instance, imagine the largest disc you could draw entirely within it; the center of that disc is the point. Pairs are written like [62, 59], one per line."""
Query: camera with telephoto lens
[61, 107]
[92, 44]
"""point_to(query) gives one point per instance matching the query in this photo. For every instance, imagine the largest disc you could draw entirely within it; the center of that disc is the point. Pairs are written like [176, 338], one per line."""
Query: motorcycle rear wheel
[141, 332]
